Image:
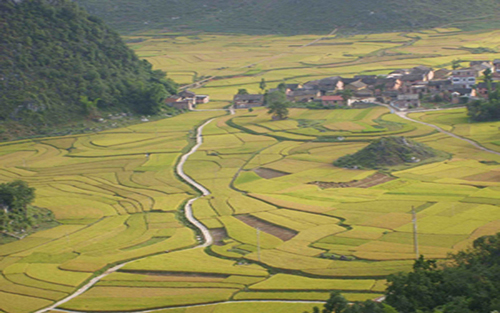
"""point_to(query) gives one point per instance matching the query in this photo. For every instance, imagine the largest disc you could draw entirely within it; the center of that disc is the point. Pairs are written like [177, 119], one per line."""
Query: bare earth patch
[368, 182]
[272, 229]
[268, 173]
[218, 235]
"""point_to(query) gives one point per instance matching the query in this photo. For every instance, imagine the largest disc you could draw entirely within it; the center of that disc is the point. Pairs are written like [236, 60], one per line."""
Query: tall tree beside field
[277, 105]
[262, 84]
[488, 79]
[14, 200]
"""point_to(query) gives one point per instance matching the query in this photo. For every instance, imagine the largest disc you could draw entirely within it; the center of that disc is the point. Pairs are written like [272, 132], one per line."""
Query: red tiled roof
[332, 98]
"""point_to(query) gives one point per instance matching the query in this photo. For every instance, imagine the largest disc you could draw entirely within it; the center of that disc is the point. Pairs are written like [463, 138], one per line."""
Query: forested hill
[59, 64]
[292, 16]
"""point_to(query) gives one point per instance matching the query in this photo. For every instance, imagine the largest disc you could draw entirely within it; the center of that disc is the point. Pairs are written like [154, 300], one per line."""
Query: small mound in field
[386, 152]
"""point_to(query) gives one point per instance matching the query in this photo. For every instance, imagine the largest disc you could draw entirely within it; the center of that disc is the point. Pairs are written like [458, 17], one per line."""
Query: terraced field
[116, 204]
[241, 61]
[278, 235]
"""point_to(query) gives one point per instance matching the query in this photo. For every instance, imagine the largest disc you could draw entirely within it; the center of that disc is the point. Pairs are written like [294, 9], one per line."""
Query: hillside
[59, 65]
[386, 152]
[290, 16]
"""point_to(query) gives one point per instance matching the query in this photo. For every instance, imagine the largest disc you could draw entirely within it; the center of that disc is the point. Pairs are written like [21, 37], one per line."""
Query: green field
[115, 204]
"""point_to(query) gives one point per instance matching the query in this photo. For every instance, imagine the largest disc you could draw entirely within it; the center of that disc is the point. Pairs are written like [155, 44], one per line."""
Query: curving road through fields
[208, 240]
[188, 208]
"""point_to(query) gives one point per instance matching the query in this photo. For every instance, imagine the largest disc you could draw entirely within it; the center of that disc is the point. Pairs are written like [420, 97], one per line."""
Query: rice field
[279, 235]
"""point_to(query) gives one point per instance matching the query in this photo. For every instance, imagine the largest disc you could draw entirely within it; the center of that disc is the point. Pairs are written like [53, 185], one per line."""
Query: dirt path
[472, 142]
[208, 239]
[404, 115]
[80, 291]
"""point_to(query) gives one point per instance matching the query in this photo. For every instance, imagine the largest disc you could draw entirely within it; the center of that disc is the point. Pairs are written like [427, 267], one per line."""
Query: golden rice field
[241, 61]
[117, 205]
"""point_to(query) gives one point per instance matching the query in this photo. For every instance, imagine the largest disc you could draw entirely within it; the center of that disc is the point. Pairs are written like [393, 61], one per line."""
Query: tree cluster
[15, 198]
[53, 54]
[486, 110]
[338, 304]
[469, 284]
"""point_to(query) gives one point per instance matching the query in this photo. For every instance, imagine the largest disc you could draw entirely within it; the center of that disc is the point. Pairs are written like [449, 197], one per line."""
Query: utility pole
[415, 237]
[258, 243]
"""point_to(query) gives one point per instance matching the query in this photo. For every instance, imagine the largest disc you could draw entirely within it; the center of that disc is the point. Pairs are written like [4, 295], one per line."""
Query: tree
[346, 95]
[282, 87]
[335, 304]
[487, 77]
[262, 84]
[470, 284]
[14, 200]
[338, 304]
[455, 64]
[277, 104]
[15, 196]
[242, 92]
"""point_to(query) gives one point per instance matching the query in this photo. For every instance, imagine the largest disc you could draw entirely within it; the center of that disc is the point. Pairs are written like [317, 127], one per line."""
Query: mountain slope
[288, 16]
[60, 64]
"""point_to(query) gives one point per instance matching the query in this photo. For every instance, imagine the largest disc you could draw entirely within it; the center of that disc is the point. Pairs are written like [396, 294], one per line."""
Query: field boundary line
[188, 213]
[203, 305]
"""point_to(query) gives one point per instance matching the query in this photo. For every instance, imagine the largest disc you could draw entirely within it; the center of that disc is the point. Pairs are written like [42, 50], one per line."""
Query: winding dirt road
[188, 209]
[208, 240]
[404, 115]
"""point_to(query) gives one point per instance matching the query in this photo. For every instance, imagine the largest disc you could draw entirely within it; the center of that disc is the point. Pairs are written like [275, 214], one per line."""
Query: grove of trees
[15, 197]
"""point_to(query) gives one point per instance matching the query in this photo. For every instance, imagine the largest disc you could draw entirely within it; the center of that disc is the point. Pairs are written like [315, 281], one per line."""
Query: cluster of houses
[402, 88]
[186, 100]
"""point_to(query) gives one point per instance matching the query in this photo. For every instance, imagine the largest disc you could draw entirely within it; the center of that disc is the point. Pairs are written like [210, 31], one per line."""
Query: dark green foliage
[242, 91]
[486, 110]
[289, 16]
[262, 84]
[59, 63]
[338, 304]
[14, 200]
[387, 151]
[277, 104]
[470, 285]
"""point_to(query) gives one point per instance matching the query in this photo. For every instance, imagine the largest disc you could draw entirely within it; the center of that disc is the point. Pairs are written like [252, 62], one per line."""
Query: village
[403, 89]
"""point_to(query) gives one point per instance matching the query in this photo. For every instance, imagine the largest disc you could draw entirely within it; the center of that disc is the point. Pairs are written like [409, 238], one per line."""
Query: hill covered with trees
[60, 64]
[292, 16]
[387, 152]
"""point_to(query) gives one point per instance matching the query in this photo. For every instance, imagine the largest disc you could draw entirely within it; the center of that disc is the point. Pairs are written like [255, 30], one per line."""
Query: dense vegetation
[59, 63]
[470, 284]
[387, 151]
[14, 200]
[289, 16]
[486, 109]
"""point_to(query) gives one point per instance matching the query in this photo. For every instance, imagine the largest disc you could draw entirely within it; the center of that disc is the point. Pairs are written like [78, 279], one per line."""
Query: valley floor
[277, 234]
